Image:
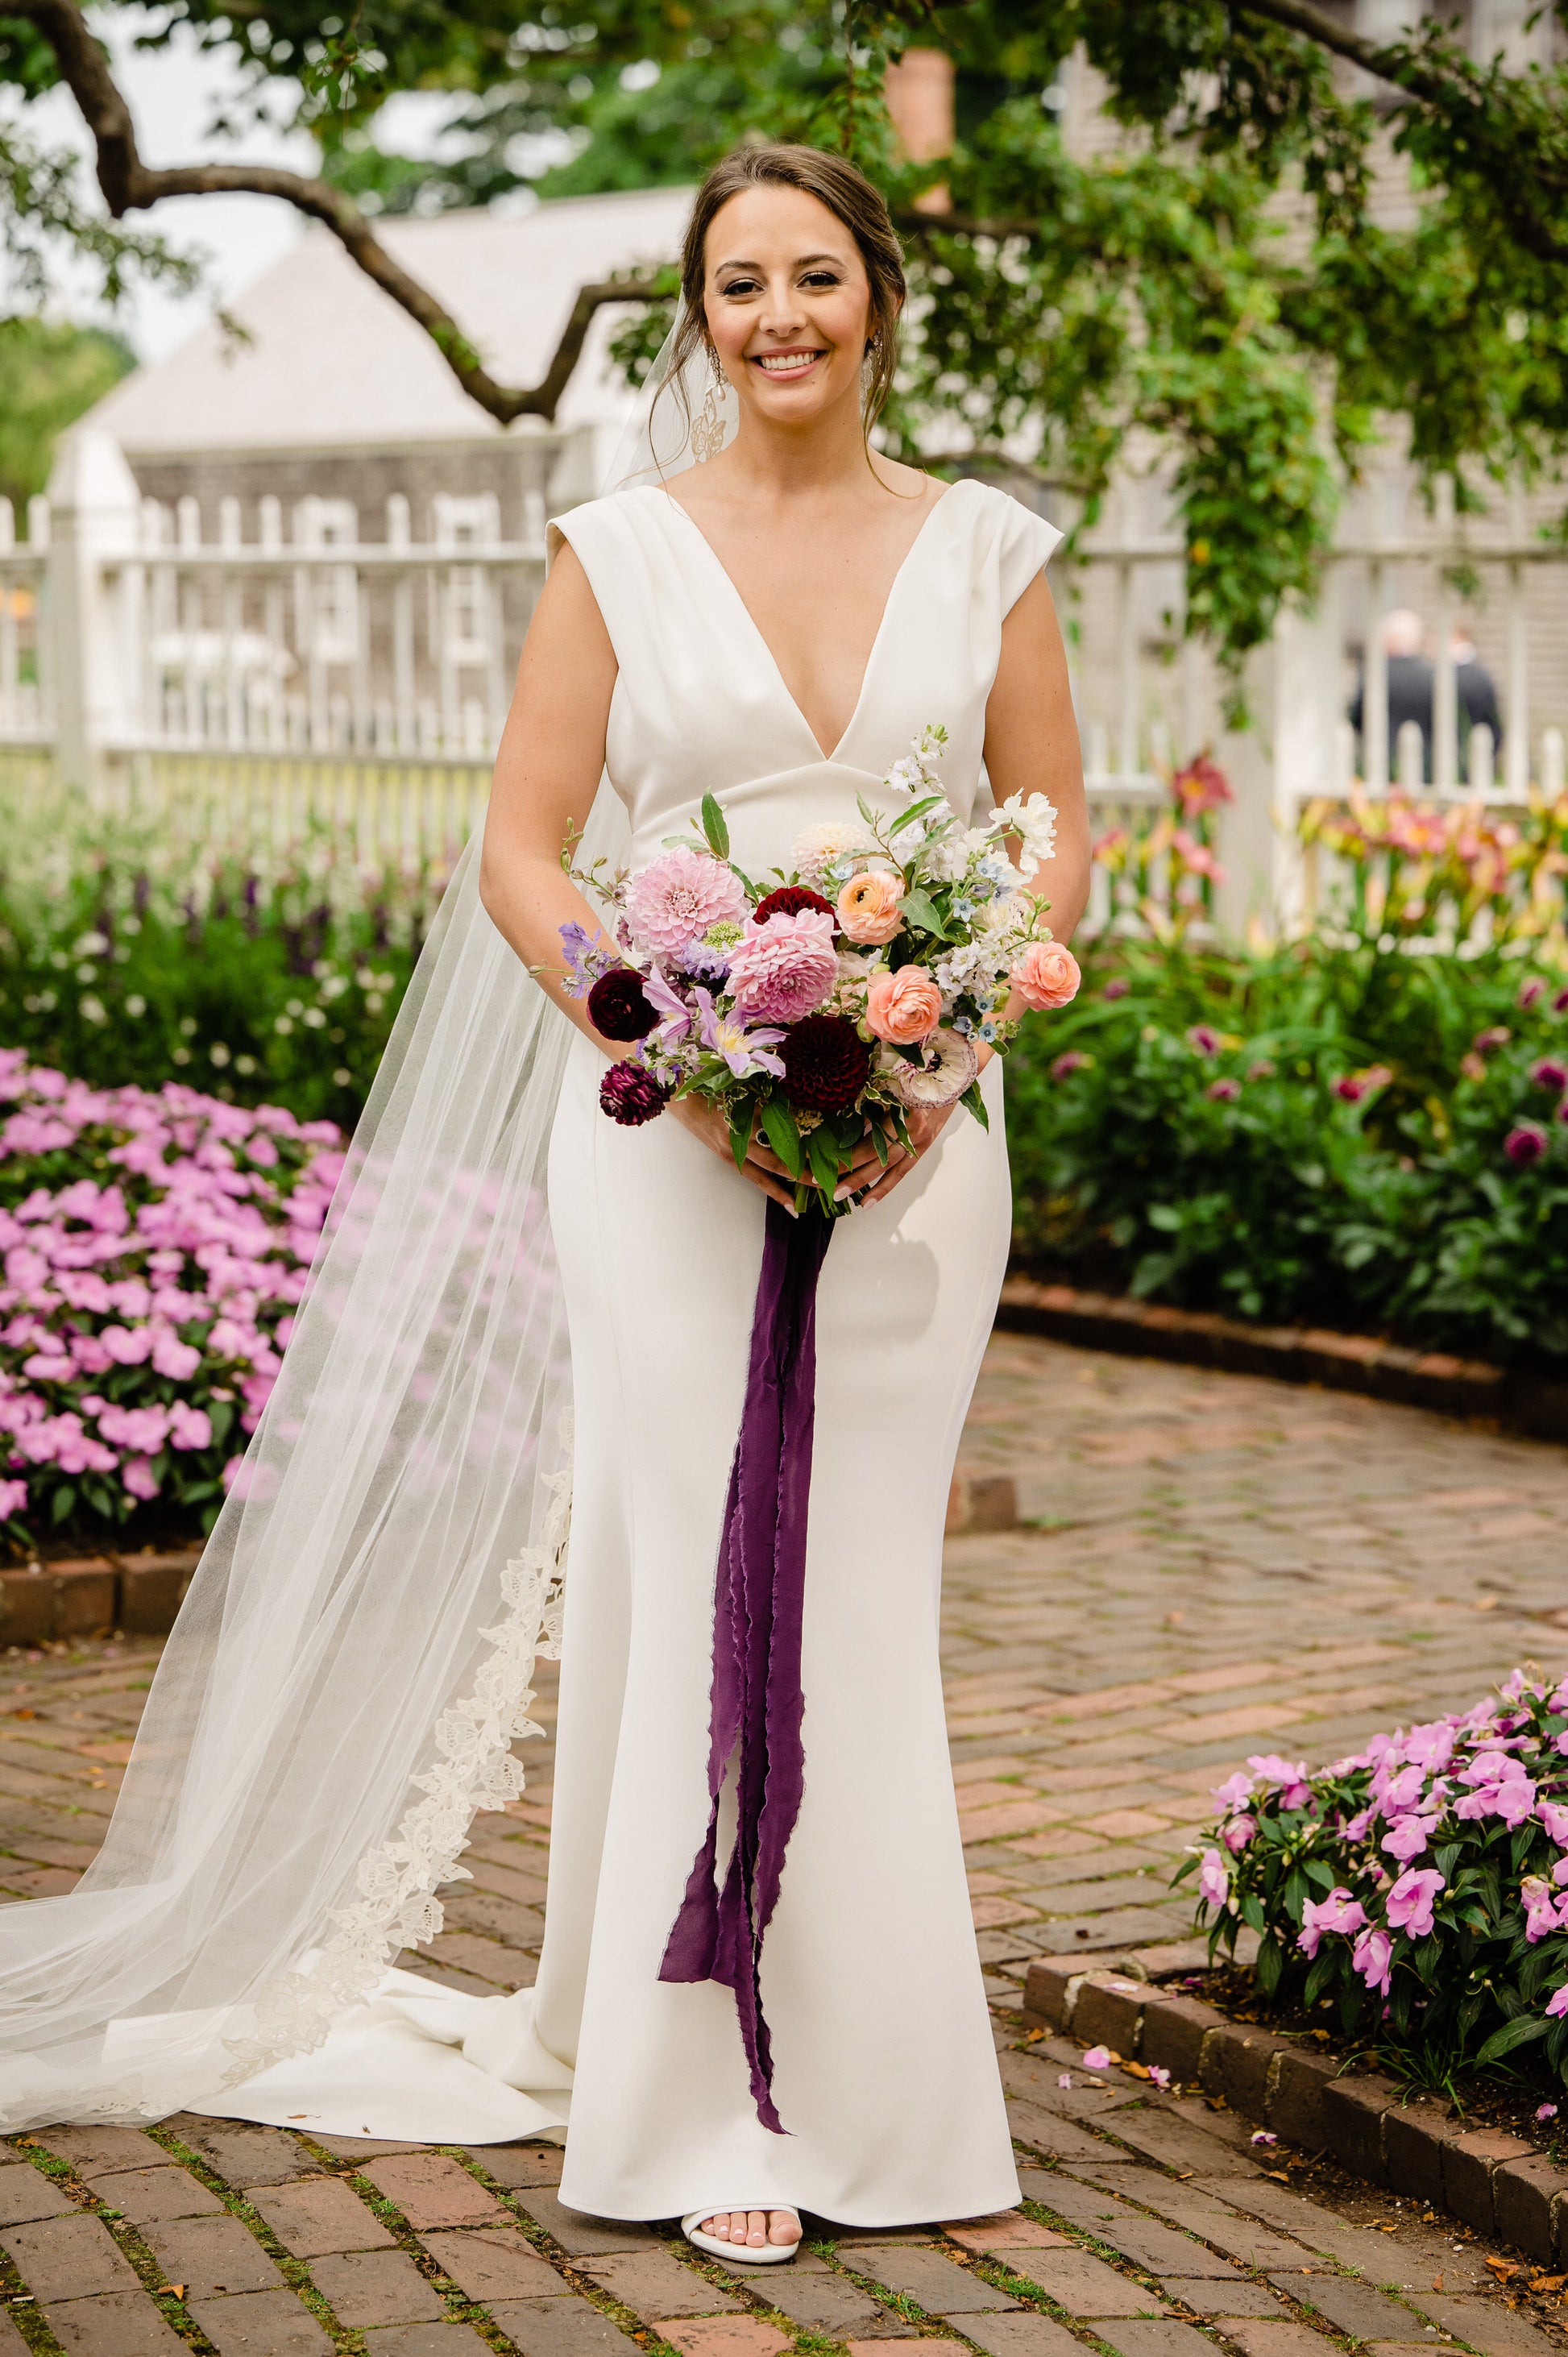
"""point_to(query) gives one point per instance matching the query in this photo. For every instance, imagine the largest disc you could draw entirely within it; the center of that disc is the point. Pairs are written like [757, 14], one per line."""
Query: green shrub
[1330, 1133]
[125, 957]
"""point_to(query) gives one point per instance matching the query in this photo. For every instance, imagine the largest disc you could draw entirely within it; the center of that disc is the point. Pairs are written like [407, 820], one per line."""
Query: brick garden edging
[1369, 2124]
[93, 1595]
[1536, 1405]
[141, 1594]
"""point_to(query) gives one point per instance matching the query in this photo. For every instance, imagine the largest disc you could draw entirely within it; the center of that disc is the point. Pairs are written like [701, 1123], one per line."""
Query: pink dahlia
[672, 901]
[783, 967]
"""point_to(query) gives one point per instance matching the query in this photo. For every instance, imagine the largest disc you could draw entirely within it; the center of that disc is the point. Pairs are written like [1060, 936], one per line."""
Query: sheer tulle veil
[355, 1658]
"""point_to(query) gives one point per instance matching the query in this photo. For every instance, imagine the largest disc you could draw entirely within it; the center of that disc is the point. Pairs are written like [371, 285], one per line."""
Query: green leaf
[1522, 2031]
[972, 1101]
[716, 828]
[824, 1162]
[917, 908]
[740, 1135]
[62, 1502]
[782, 1135]
[918, 811]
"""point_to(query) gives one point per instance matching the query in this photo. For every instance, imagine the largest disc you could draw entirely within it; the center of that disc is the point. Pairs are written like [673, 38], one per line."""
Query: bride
[770, 613]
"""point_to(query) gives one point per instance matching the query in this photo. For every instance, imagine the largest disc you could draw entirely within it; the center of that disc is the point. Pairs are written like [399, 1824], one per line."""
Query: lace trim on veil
[473, 1770]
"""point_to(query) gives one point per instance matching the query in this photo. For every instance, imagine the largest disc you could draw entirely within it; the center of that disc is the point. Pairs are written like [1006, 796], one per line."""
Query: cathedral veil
[355, 1657]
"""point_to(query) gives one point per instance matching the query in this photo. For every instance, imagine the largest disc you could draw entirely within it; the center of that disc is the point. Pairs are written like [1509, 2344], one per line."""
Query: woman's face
[788, 302]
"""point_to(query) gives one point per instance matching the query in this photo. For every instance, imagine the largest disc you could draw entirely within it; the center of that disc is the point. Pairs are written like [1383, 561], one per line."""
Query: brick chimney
[920, 100]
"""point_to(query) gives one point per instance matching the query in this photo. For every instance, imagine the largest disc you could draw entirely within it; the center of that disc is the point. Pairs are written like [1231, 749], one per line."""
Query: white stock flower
[1034, 821]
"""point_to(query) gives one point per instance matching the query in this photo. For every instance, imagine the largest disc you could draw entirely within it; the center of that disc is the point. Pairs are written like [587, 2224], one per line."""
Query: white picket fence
[331, 668]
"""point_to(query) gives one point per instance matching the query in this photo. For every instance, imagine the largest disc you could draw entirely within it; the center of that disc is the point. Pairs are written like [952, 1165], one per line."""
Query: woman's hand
[762, 1166]
[924, 1129]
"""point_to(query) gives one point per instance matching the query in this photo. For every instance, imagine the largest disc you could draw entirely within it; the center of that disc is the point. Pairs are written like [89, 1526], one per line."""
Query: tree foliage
[49, 373]
[1225, 278]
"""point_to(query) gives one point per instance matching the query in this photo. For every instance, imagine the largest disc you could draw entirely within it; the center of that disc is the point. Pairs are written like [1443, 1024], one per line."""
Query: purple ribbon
[758, 1604]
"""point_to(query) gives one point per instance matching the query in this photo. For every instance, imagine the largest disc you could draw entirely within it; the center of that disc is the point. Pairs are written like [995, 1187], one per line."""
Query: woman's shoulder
[1008, 541]
[597, 527]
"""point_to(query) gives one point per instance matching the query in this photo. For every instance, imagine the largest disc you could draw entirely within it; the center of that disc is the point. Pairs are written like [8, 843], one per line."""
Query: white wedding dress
[885, 2071]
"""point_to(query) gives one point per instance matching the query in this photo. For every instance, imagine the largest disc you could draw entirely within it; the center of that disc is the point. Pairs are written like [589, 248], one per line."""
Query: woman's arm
[547, 772]
[1031, 748]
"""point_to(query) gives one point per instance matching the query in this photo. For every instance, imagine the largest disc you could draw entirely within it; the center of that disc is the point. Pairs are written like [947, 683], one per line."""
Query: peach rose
[904, 1007]
[869, 907]
[1046, 975]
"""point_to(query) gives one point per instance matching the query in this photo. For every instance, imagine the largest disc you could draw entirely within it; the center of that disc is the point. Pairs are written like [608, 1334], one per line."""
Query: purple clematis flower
[587, 956]
[674, 1014]
[743, 1051]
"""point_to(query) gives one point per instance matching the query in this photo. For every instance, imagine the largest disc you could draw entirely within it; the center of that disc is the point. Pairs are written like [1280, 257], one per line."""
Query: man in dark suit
[1411, 682]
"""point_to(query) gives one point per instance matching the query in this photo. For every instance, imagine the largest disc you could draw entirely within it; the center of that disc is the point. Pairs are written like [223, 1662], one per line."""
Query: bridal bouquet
[814, 1007]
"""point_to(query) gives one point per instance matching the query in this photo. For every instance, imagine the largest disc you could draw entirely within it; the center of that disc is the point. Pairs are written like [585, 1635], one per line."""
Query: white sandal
[769, 2254]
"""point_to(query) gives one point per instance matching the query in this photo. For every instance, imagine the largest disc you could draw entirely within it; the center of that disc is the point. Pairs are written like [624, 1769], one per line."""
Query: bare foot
[754, 2227]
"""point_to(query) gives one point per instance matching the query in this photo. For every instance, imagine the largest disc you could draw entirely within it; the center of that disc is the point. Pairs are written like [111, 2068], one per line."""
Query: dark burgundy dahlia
[630, 1094]
[789, 900]
[618, 1008]
[826, 1063]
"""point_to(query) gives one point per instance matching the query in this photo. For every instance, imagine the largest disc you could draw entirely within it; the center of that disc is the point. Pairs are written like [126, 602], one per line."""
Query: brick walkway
[1211, 1565]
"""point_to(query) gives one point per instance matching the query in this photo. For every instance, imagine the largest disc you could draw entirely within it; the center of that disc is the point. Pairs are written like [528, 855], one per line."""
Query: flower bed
[154, 1248]
[1419, 1889]
[1330, 1133]
[136, 955]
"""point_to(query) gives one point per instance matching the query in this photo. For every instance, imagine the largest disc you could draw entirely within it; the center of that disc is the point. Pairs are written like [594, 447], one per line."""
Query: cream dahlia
[816, 849]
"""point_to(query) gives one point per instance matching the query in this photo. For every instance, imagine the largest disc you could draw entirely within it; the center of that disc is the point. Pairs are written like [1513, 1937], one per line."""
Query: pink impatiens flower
[1238, 1833]
[1338, 1912]
[1097, 2057]
[1373, 1959]
[1213, 1882]
[1410, 1899]
[1234, 1791]
[1270, 1769]
[1557, 2003]
[1408, 1837]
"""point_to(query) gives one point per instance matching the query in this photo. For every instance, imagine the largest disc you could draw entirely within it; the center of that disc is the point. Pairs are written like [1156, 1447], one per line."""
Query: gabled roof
[333, 361]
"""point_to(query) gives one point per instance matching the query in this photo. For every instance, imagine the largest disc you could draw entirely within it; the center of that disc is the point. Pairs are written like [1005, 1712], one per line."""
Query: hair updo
[850, 197]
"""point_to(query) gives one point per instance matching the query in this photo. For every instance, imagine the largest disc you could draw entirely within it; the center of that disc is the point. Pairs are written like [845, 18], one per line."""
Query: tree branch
[130, 185]
[1515, 182]
[1315, 24]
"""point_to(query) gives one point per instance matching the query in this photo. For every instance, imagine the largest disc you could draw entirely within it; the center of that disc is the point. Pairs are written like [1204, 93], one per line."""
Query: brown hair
[850, 197]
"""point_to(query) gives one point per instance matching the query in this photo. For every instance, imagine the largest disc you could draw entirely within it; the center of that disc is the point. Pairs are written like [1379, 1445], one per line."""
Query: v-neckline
[755, 628]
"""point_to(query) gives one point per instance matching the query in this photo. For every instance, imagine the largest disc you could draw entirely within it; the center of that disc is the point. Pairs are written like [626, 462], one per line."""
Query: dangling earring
[708, 425]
